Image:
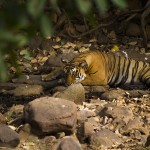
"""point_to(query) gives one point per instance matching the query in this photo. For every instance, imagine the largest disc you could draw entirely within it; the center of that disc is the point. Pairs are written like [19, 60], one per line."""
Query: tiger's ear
[84, 65]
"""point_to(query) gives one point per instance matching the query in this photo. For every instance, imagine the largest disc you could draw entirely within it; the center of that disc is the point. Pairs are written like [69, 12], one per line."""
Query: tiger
[97, 68]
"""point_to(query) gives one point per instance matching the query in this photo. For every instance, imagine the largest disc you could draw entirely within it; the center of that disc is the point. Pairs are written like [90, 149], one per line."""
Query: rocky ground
[42, 115]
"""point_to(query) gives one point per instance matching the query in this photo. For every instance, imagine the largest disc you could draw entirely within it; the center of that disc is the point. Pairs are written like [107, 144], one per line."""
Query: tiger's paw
[47, 77]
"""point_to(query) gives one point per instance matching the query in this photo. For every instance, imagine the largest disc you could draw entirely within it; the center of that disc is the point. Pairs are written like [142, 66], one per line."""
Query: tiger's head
[75, 73]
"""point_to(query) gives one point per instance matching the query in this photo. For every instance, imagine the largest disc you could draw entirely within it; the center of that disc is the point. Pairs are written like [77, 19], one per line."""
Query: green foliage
[83, 5]
[20, 20]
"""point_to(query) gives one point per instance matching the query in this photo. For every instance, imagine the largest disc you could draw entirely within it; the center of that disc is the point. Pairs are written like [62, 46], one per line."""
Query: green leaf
[46, 26]
[21, 40]
[120, 3]
[54, 3]
[35, 7]
[102, 5]
[3, 68]
[83, 5]
[13, 60]
[17, 39]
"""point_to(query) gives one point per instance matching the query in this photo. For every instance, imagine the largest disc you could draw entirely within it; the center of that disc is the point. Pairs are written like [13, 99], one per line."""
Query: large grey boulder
[51, 115]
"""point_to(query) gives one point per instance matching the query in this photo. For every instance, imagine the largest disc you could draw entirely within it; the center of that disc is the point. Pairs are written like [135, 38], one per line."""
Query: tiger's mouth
[80, 78]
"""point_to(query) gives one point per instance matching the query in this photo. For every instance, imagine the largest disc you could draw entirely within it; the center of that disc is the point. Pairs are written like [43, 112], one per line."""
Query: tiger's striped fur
[99, 68]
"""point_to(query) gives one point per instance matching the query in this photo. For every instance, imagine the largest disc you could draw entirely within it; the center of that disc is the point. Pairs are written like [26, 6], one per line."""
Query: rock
[27, 90]
[8, 137]
[117, 112]
[88, 129]
[96, 89]
[75, 93]
[94, 121]
[113, 94]
[56, 61]
[104, 138]
[69, 143]
[58, 89]
[51, 115]
[135, 124]
[137, 93]
[82, 115]
[85, 130]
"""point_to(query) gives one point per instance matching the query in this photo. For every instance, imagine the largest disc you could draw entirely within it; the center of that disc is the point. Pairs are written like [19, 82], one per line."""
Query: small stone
[117, 112]
[135, 124]
[93, 121]
[69, 143]
[88, 129]
[113, 94]
[82, 115]
[104, 138]
[8, 137]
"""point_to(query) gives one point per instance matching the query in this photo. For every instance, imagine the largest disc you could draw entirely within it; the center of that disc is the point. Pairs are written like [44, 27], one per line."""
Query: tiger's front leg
[93, 80]
[58, 72]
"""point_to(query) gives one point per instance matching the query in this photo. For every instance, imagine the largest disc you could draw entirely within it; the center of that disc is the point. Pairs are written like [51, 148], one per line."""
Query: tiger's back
[107, 69]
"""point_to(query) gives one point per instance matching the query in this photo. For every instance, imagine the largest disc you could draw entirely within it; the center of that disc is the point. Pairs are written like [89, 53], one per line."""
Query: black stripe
[125, 59]
[112, 68]
[147, 80]
[135, 71]
[124, 79]
[118, 71]
[124, 64]
[145, 72]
